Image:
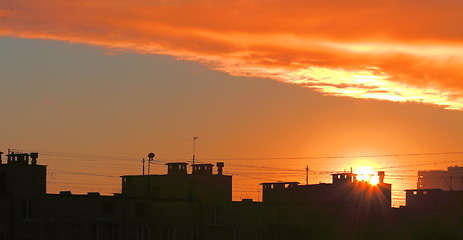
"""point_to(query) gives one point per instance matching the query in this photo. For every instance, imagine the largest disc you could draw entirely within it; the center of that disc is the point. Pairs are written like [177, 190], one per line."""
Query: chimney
[381, 175]
[34, 157]
[10, 157]
[220, 166]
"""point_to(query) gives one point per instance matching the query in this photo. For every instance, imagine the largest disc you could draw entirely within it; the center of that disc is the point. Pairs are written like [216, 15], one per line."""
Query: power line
[83, 155]
[421, 164]
[83, 173]
[335, 157]
[96, 156]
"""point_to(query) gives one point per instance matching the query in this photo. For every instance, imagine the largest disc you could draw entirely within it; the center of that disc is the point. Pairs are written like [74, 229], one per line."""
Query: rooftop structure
[177, 184]
[21, 176]
[344, 188]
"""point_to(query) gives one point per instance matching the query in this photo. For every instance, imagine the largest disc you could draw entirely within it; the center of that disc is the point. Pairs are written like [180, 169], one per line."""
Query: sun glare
[367, 174]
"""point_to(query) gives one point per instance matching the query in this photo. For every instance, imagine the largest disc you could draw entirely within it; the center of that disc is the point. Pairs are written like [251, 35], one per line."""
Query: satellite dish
[151, 155]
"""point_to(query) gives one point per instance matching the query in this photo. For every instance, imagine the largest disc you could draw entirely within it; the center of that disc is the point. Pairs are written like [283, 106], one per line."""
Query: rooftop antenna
[150, 159]
[306, 174]
[194, 148]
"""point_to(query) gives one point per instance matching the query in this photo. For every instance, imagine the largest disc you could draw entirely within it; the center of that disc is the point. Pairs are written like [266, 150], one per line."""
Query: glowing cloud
[390, 50]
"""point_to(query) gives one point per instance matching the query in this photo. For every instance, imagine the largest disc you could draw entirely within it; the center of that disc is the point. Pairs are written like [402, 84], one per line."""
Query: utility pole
[143, 163]
[194, 148]
[307, 175]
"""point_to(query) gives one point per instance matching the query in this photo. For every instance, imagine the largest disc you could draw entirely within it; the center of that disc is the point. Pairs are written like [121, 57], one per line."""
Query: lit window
[415, 192]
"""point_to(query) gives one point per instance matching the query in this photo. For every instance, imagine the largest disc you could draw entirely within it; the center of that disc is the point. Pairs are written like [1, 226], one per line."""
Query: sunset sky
[268, 87]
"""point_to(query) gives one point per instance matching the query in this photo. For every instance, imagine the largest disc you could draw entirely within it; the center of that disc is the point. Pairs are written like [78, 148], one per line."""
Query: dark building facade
[22, 190]
[198, 205]
[433, 214]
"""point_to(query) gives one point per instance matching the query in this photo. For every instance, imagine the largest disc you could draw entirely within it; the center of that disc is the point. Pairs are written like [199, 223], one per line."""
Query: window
[2, 182]
[140, 210]
[2, 231]
[107, 208]
[415, 192]
[282, 214]
[105, 232]
[236, 234]
[51, 231]
[312, 216]
[76, 231]
[217, 215]
[27, 210]
[435, 219]
[194, 234]
[169, 233]
[143, 233]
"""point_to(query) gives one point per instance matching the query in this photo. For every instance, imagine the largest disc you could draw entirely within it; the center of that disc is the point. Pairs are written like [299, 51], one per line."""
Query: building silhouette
[449, 180]
[198, 205]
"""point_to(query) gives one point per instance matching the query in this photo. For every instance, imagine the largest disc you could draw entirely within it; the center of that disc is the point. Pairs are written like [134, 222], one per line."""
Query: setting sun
[368, 175]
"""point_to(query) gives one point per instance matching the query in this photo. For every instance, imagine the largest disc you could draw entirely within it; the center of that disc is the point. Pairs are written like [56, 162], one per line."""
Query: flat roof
[177, 163]
[424, 189]
[280, 183]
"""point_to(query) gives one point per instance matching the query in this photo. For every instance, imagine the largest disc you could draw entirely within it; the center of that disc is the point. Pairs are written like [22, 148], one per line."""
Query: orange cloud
[391, 50]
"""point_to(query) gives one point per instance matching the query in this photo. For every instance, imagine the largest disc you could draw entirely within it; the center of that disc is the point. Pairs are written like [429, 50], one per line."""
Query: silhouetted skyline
[95, 87]
[198, 205]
